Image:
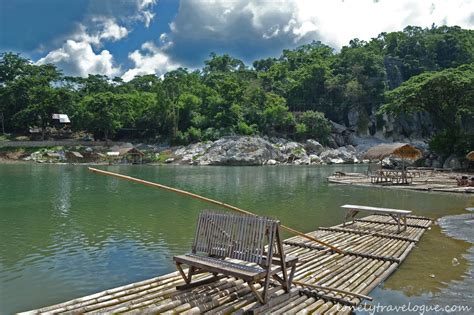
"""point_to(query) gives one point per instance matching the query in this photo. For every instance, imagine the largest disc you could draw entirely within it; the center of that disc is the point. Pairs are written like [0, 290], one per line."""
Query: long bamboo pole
[219, 203]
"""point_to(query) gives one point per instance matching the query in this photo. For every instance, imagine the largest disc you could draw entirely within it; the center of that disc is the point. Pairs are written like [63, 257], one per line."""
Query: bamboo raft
[372, 251]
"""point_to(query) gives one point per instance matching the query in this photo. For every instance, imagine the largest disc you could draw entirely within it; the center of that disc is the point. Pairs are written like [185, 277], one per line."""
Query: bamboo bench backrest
[241, 237]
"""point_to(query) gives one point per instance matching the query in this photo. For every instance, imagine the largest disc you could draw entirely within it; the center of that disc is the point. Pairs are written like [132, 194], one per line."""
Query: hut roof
[384, 150]
[77, 154]
[131, 151]
[470, 156]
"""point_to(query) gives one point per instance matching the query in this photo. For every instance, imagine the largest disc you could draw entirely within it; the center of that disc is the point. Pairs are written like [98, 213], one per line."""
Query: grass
[163, 156]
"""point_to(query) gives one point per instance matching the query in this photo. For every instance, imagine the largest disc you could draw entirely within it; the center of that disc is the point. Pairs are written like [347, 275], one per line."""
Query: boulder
[239, 151]
[452, 162]
[338, 156]
[271, 162]
[314, 159]
[436, 164]
[191, 152]
[313, 146]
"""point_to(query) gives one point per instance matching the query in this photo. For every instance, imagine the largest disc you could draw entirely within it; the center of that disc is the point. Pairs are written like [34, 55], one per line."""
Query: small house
[131, 155]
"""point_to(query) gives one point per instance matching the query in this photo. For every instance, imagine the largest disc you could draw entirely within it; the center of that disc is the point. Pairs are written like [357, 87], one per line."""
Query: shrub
[182, 137]
[447, 142]
[244, 129]
[317, 126]
[211, 134]
[194, 134]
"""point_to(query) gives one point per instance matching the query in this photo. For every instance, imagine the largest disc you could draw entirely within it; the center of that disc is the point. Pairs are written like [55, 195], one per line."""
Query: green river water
[65, 232]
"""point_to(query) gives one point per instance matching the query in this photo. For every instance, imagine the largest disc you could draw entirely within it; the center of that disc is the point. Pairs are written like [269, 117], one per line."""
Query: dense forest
[422, 77]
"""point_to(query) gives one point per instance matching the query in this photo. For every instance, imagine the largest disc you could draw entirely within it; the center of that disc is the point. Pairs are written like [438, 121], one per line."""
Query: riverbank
[235, 150]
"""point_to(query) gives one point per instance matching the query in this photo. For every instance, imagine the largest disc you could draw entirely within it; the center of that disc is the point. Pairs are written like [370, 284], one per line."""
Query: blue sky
[134, 37]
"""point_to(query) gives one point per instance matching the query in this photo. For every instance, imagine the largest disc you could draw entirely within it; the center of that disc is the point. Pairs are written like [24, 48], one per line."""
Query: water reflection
[429, 268]
[66, 232]
[62, 201]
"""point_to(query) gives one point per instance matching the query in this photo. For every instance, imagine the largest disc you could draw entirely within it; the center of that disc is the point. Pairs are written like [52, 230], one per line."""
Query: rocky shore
[262, 151]
[343, 148]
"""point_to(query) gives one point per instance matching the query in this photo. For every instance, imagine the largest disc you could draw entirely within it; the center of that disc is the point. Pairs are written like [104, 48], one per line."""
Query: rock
[351, 148]
[169, 160]
[452, 162]
[339, 139]
[335, 161]
[338, 156]
[292, 148]
[271, 162]
[436, 164]
[455, 262]
[302, 161]
[313, 146]
[89, 149]
[191, 152]
[340, 135]
[36, 156]
[314, 159]
[239, 151]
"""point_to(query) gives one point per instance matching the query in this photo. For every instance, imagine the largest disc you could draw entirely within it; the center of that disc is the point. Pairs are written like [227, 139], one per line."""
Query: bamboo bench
[252, 243]
[400, 216]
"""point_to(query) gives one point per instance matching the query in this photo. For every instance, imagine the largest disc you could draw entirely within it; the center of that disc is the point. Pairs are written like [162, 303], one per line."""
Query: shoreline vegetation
[400, 86]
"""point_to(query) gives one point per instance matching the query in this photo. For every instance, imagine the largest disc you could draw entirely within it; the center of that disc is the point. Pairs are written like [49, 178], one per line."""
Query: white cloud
[112, 31]
[144, 11]
[254, 28]
[151, 60]
[104, 29]
[78, 58]
[80, 53]
[337, 22]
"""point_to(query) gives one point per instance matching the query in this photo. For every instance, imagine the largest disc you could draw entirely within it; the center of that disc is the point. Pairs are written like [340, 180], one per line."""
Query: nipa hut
[401, 150]
[470, 156]
[127, 155]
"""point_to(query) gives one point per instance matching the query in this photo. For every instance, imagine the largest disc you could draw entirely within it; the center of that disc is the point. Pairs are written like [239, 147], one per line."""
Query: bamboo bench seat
[399, 216]
[243, 239]
[211, 264]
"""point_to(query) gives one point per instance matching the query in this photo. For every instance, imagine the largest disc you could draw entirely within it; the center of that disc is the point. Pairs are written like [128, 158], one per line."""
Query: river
[65, 232]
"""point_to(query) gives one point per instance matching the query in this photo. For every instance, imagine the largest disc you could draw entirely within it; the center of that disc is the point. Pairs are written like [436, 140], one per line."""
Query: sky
[126, 38]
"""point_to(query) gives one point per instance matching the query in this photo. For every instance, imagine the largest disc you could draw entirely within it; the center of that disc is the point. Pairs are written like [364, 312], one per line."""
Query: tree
[12, 66]
[447, 96]
[105, 113]
[276, 116]
[315, 126]
[224, 63]
[45, 102]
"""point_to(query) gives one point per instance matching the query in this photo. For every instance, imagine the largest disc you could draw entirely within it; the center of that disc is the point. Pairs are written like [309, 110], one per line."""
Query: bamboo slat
[330, 279]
